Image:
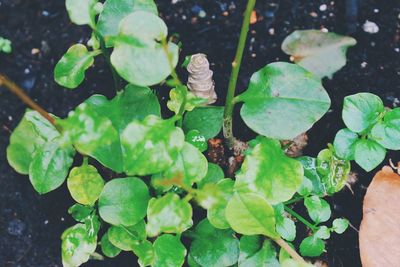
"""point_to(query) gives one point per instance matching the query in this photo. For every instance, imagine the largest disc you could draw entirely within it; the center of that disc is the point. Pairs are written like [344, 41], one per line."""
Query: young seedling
[159, 173]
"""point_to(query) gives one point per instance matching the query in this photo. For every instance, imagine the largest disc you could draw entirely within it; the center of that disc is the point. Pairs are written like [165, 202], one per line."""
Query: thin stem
[294, 200]
[15, 89]
[229, 103]
[106, 54]
[290, 250]
[300, 218]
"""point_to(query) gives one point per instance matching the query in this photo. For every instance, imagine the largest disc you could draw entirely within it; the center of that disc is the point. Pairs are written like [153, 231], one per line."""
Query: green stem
[290, 250]
[293, 200]
[106, 54]
[300, 218]
[229, 103]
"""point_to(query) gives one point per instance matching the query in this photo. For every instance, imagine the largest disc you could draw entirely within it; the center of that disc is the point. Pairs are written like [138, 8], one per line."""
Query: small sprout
[5, 45]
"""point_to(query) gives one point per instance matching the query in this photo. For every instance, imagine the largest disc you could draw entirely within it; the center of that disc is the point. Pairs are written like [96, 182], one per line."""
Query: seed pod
[200, 81]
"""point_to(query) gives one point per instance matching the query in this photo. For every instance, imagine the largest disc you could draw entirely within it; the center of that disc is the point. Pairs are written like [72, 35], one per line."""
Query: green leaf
[127, 238]
[168, 252]
[369, 154]
[286, 228]
[168, 214]
[92, 224]
[294, 263]
[286, 96]
[321, 53]
[318, 209]
[123, 201]
[190, 167]
[76, 246]
[145, 252]
[213, 247]
[312, 183]
[323, 232]
[195, 138]
[5, 45]
[115, 10]
[312, 246]
[340, 225]
[216, 213]
[250, 214]
[180, 94]
[214, 174]
[151, 146]
[32, 133]
[332, 170]
[50, 166]
[80, 212]
[387, 132]
[85, 184]
[255, 253]
[138, 55]
[81, 11]
[207, 120]
[268, 172]
[344, 143]
[70, 70]
[107, 248]
[361, 111]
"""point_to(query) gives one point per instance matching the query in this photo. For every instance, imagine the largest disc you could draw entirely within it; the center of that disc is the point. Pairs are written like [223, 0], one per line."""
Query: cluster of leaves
[5, 45]
[162, 172]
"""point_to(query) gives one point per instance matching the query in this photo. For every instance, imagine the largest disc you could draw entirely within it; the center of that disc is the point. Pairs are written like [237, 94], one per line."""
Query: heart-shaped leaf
[123, 201]
[283, 100]
[322, 53]
[312, 246]
[368, 154]
[387, 132]
[207, 120]
[361, 111]
[168, 214]
[318, 209]
[268, 172]
[70, 70]
[138, 55]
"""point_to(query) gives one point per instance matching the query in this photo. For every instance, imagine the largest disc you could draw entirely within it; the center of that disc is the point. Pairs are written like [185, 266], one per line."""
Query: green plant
[5, 45]
[158, 170]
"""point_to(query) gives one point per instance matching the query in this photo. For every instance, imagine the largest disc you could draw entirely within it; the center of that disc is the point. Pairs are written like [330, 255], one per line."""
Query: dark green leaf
[344, 143]
[76, 246]
[256, 253]
[250, 214]
[369, 154]
[322, 53]
[168, 214]
[80, 212]
[361, 111]
[195, 138]
[213, 247]
[115, 10]
[138, 55]
[214, 174]
[387, 132]
[124, 201]
[207, 120]
[107, 248]
[50, 166]
[85, 184]
[92, 224]
[312, 246]
[168, 252]
[283, 100]
[32, 133]
[145, 252]
[268, 172]
[318, 209]
[70, 70]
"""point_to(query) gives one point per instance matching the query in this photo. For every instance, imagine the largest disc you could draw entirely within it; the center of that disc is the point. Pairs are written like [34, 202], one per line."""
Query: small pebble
[363, 64]
[45, 13]
[202, 14]
[397, 49]
[370, 27]
[271, 31]
[376, 10]
[35, 51]
[314, 14]
[46, 222]
[323, 7]
[253, 17]
[323, 29]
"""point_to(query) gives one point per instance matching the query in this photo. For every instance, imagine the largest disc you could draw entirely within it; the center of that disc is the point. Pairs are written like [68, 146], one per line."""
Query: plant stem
[229, 103]
[300, 218]
[15, 89]
[106, 54]
[294, 200]
[290, 250]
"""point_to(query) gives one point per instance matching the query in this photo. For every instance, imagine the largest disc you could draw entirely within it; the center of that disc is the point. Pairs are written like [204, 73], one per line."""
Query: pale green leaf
[312, 246]
[323, 232]
[81, 11]
[387, 132]
[127, 237]
[180, 95]
[369, 154]
[312, 183]
[216, 213]
[318, 209]
[340, 225]
[344, 143]
[168, 251]
[283, 100]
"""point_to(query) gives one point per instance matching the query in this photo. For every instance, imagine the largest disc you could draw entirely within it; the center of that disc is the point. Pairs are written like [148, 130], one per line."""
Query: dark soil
[31, 225]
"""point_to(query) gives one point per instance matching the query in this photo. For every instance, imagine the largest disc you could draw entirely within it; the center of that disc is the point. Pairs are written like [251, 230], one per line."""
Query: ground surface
[30, 225]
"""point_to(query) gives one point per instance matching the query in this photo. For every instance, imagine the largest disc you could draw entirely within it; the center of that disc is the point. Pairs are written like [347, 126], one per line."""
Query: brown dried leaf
[380, 228]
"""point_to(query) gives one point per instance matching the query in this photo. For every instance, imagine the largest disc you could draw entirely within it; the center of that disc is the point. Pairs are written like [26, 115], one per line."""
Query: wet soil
[31, 225]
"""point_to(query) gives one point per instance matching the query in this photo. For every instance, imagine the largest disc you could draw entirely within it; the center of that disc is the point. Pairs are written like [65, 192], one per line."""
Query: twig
[15, 89]
[290, 250]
